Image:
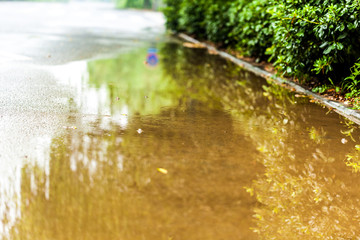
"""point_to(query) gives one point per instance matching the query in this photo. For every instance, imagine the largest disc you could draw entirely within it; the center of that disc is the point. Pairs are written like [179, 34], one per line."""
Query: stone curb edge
[341, 109]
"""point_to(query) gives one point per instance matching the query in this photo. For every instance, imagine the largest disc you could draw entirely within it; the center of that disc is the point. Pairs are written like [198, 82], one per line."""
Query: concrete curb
[341, 109]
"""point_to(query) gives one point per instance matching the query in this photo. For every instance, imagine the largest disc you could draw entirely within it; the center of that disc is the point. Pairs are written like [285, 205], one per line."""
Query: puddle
[187, 147]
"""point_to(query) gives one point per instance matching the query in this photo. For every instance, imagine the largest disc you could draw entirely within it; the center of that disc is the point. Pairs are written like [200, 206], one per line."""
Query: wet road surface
[37, 40]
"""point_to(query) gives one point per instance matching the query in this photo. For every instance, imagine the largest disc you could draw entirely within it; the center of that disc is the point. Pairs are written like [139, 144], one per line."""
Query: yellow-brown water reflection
[307, 191]
[211, 152]
[106, 185]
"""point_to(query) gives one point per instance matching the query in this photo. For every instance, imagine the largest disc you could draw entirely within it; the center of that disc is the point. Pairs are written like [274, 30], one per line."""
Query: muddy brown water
[192, 148]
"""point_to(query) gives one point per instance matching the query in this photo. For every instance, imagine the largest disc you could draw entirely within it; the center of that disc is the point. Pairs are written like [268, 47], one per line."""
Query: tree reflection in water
[306, 191]
[104, 183]
[239, 154]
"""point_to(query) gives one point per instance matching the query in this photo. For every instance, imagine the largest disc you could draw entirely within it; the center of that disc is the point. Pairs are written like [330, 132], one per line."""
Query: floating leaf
[162, 170]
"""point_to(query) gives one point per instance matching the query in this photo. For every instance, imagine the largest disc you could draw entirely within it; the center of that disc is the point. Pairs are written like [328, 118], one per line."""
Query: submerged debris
[193, 45]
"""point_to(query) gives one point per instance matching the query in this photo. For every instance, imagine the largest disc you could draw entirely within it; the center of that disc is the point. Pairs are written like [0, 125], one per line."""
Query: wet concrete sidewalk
[53, 33]
[37, 37]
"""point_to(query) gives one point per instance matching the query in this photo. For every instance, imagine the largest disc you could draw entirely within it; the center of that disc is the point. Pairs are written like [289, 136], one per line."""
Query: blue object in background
[152, 58]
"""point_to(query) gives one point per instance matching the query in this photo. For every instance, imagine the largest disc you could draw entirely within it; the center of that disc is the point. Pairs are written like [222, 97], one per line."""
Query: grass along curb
[340, 108]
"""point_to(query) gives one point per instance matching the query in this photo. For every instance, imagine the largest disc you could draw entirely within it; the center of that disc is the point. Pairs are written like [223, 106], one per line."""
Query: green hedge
[306, 39]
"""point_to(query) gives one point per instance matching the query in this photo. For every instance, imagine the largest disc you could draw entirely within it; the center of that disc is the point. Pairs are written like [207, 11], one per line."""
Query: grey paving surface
[42, 48]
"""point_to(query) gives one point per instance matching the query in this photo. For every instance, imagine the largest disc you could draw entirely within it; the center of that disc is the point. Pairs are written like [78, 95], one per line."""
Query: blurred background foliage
[140, 4]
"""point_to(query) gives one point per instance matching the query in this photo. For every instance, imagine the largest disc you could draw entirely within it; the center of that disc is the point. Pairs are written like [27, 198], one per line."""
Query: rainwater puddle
[187, 146]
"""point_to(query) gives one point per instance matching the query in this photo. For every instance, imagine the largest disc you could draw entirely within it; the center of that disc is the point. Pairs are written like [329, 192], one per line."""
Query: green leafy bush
[217, 21]
[305, 39]
[252, 29]
[172, 14]
[352, 83]
[193, 17]
[315, 37]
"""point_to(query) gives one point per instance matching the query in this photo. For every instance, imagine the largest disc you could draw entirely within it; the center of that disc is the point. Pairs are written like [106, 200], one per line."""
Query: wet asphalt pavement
[38, 41]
